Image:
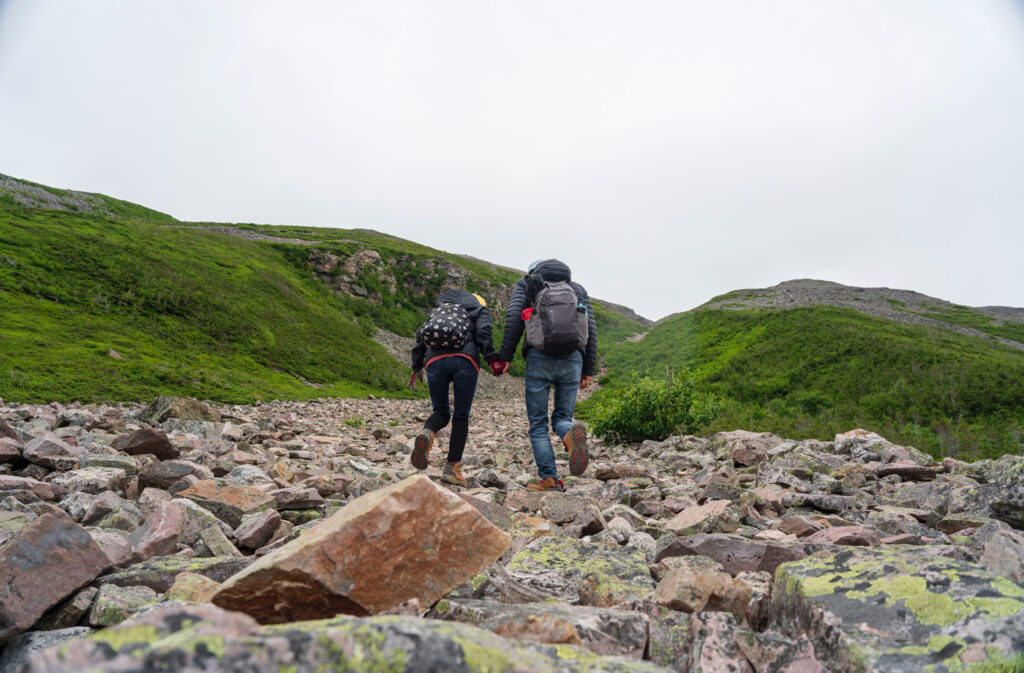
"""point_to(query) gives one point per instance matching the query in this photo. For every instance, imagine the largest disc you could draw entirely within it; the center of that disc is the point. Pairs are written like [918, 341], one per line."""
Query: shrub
[652, 409]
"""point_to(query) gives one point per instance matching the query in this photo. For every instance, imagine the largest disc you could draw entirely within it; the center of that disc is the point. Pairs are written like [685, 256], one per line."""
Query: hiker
[561, 352]
[448, 348]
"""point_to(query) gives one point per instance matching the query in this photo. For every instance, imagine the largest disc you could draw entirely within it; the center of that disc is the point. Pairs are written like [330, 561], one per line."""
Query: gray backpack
[558, 325]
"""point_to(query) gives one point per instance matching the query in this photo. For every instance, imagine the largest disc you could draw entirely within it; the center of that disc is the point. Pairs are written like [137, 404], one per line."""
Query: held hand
[412, 379]
[584, 381]
[499, 367]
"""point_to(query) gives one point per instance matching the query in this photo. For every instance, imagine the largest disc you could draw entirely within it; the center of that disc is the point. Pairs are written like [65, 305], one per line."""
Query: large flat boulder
[737, 554]
[229, 502]
[901, 609]
[413, 539]
[47, 561]
[575, 570]
[601, 630]
[160, 573]
[205, 638]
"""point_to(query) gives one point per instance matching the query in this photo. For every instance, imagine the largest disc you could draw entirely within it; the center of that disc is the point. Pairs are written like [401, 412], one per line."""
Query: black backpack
[559, 324]
[447, 328]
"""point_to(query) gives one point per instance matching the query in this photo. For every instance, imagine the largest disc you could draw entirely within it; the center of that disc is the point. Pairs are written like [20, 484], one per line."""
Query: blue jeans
[460, 373]
[543, 372]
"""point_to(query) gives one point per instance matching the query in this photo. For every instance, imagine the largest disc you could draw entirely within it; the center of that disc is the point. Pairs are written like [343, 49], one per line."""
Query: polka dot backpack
[447, 328]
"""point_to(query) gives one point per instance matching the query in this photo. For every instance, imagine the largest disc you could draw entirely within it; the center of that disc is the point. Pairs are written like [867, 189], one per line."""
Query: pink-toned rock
[45, 563]
[697, 590]
[714, 516]
[8, 432]
[854, 536]
[295, 497]
[146, 440]
[151, 497]
[771, 496]
[10, 450]
[229, 502]
[161, 533]
[413, 539]
[801, 526]
[621, 471]
[908, 470]
[743, 455]
[192, 588]
[774, 536]
[906, 538]
[39, 489]
[52, 453]
[257, 529]
[715, 648]
[114, 546]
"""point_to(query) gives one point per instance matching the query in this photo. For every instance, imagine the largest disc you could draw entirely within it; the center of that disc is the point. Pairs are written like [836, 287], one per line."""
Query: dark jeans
[462, 375]
[544, 372]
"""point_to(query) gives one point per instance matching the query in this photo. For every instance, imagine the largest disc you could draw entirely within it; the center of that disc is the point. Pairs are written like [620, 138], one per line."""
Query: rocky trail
[297, 537]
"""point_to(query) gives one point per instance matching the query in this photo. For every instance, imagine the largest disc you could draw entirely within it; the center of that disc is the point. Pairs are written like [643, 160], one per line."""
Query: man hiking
[449, 346]
[561, 352]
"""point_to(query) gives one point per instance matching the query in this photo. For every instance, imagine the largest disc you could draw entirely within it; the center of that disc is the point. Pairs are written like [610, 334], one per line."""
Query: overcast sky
[667, 151]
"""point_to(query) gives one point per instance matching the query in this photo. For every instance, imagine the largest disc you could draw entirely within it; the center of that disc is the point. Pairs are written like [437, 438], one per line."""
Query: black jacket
[522, 297]
[482, 324]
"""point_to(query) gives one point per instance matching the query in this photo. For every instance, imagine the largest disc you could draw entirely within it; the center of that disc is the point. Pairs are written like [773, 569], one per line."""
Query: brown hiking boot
[576, 442]
[421, 449]
[452, 474]
[547, 484]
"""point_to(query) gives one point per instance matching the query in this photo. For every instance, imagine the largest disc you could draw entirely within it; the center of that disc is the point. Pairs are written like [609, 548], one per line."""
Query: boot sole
[420, 452]
[578, 457]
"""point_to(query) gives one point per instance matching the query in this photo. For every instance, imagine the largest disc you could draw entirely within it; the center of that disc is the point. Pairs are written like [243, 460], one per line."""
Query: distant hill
[810, 358]
[104, 300]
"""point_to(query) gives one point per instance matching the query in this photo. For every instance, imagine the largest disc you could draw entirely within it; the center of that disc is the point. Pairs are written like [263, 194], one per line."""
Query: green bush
[652, 409]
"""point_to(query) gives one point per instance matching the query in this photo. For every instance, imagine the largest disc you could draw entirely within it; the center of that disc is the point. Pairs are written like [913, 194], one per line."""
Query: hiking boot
[452, 474]
[576, 442]
[421, 449]
[547, 484]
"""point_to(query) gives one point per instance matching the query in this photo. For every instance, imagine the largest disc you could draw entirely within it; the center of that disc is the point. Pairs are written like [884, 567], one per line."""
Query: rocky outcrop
[741, 552]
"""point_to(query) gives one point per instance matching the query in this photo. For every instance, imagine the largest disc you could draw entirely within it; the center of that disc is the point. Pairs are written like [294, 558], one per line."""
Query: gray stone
[89, 480]
[15, 654]
[115, 604]
[52, 453]
[573, 570]
[923, 610]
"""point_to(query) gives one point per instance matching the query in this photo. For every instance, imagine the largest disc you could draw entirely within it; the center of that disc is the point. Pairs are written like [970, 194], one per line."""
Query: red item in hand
[412, 381]
[527, 314]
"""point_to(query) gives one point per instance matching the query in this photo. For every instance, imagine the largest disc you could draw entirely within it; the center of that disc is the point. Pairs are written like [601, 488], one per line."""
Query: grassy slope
[811, 372]
[192, 313]
[205, 314]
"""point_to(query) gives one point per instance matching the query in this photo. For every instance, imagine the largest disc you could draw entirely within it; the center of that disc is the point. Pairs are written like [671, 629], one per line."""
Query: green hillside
[103, 300]
[814, 371]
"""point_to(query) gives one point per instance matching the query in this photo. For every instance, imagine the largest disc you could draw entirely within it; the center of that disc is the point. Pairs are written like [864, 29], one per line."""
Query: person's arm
[418, 353]
[513, 323]
[484, 334]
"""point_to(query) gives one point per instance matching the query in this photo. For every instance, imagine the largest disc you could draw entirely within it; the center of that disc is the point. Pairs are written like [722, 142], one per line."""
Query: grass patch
[812, 372]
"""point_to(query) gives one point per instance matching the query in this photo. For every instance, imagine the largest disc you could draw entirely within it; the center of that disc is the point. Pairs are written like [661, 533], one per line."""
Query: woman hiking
[448, 347]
